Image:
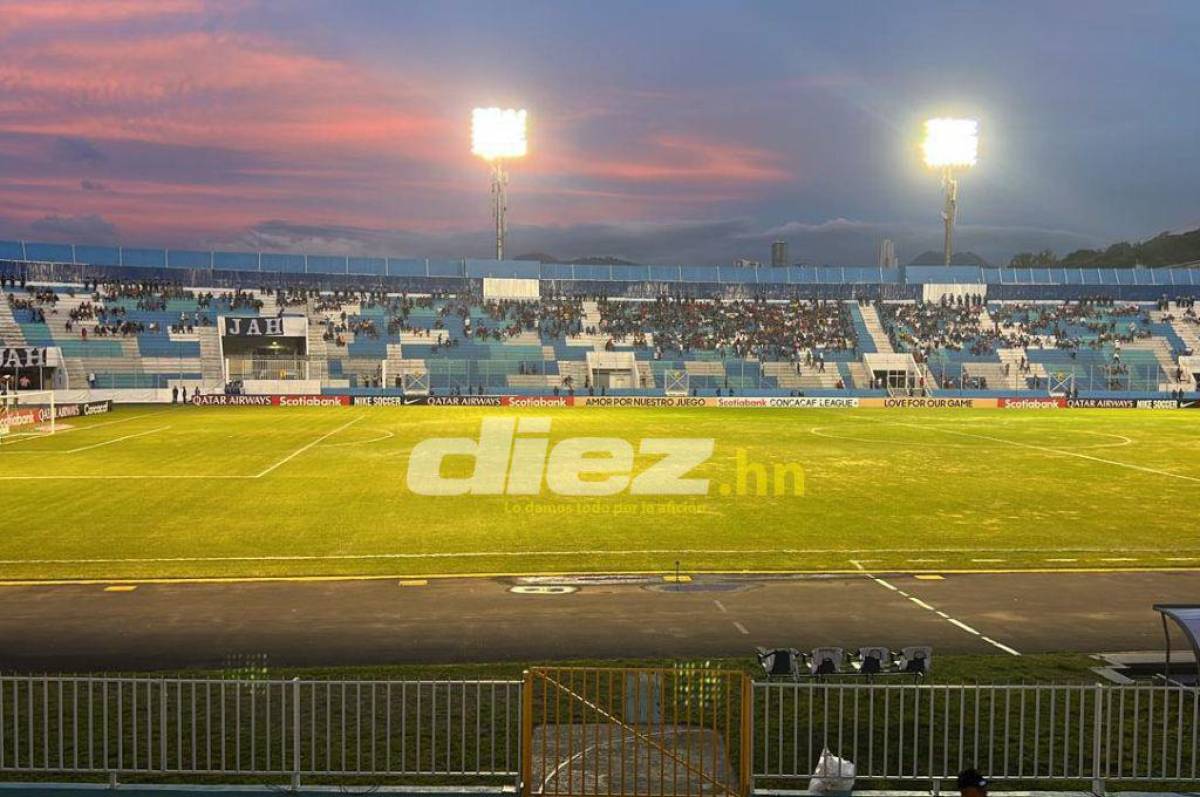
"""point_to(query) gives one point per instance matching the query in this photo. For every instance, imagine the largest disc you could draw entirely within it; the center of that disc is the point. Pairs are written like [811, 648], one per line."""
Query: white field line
[822, 431]
[918, 602]
[101, 444]
[115, 440]
[1047, 450]
[85, 427]
[306, 447]
[119, 477]
[386, 435]
[513, 554]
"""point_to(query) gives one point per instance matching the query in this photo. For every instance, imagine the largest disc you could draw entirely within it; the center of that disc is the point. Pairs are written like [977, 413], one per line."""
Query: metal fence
[490, 731]
[1088, 733]
[463, 729]
[959, 377]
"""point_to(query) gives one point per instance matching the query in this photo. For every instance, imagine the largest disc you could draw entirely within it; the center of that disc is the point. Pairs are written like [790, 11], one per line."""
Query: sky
[663, 132]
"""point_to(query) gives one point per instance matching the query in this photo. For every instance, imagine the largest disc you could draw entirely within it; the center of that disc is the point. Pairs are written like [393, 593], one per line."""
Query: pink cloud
[27, 14]
[201, 88]
[690, 158]
[319, 139]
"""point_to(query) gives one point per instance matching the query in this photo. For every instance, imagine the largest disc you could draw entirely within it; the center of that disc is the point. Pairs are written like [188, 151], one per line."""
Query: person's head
[972, 784]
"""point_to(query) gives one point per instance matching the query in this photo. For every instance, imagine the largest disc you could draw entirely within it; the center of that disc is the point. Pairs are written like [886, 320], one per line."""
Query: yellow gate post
[746, 748]
[527, 734]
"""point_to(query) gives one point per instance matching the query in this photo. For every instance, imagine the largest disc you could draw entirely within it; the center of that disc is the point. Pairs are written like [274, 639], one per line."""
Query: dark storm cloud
[719, 242]
[90, 229]
[77, 150]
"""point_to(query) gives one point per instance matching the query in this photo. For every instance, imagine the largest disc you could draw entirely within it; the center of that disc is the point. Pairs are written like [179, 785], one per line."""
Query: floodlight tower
[497, 134]
[950, 144]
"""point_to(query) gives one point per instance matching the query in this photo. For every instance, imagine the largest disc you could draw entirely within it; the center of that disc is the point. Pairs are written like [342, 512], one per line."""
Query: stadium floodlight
[950, 144]
[498, 134]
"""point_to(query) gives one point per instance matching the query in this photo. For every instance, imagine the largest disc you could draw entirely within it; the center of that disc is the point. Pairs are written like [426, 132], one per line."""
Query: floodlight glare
[498, 133]
[950, 144]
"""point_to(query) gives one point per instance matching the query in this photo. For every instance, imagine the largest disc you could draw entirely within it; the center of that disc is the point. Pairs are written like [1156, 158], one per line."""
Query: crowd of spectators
[1061, 325]
[768, 330]
[922, 328]
[966, 323]
[801, 331]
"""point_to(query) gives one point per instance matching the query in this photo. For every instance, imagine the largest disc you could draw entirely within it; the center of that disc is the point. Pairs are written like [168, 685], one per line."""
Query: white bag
[834, 775]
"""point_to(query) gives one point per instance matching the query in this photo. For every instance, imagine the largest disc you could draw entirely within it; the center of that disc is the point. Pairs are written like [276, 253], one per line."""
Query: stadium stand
[150, 319]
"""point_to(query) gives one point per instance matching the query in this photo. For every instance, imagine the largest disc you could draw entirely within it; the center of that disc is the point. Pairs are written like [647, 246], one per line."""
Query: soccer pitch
[187, 492]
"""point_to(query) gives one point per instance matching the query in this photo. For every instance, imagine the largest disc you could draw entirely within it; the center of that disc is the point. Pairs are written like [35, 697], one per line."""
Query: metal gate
[649, 732]
[675, 382]
[415, 383]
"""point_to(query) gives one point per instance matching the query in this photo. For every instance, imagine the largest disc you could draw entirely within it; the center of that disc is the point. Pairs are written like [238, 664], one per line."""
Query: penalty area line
[101, 444]
[115, 440]
[927, 607]
[83, 428]
[1048, 450]
[306, 447]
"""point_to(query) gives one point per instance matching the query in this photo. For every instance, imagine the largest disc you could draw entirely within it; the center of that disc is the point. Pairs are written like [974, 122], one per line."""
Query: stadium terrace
[155, 324]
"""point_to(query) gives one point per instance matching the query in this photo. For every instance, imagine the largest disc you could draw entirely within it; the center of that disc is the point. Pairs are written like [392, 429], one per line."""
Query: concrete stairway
[860, 377]
[596, 342]
[395, 363]
[1188, 332]
[646, 376]
[1164, 355]
[1191, 368]
[994, 374]
[1013, 358]
[10, 330]
[875, 329]
[578, 371]
[318, 353]
[211, 369]
[77, 368]
[809, 378]
[591, 314]
[77, 371]
[528, 337]
[270, 306]
[927, 378]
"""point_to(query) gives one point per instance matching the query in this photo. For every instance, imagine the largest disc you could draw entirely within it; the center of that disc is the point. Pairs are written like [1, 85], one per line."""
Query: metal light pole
[950, 210]
[499, 204]
[497, 134]
[950, 144]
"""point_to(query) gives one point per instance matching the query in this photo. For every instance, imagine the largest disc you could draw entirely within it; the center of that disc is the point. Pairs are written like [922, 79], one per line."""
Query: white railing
[467, 729]
[893, 732]
[470, 731]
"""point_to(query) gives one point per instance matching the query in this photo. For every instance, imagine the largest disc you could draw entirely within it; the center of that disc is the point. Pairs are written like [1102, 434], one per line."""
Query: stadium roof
[285, 263]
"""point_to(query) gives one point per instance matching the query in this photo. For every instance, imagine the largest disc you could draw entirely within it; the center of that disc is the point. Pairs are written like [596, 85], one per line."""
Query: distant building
[887, 254]
[742, 262]
[779, 254]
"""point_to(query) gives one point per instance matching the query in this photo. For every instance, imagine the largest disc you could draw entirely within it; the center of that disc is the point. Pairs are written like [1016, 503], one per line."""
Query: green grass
[170, 493]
